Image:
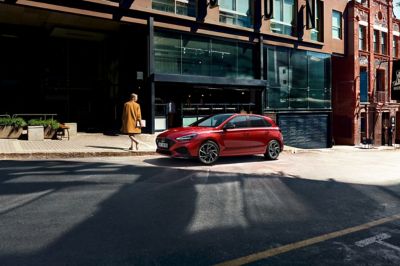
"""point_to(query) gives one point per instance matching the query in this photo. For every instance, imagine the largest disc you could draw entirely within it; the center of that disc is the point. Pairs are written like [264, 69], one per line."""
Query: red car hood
[174, 133]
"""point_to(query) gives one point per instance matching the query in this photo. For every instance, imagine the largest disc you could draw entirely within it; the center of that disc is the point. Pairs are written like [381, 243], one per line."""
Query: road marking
[371, 240]
[379, 240]
[304, 243]
[389, 245]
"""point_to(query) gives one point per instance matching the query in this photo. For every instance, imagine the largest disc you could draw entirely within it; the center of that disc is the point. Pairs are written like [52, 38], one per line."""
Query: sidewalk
[100, 145]
[81, 145]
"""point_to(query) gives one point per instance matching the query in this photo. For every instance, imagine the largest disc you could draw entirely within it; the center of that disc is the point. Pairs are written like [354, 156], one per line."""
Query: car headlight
[187, 137]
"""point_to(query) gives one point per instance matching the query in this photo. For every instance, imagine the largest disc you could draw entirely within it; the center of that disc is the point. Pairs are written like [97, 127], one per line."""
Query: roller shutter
[306, 131]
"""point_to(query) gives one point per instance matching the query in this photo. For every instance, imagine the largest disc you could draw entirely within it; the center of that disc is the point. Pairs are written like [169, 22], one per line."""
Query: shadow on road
[179, 162]
[100, 213]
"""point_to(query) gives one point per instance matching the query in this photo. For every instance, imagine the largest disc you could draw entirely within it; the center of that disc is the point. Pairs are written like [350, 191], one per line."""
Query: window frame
[282, 22]
[319, 19]
[376, 41]
[383, 42]
[339, 27]
[363, 41]
[237, 14]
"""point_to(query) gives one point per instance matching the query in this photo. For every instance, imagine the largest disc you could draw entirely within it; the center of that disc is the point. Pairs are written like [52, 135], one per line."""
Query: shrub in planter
[50, 126]
[11, 128]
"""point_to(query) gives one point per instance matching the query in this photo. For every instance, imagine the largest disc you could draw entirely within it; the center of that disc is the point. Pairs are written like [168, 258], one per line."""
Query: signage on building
[268, 9]
[396, 80]
[311, 6]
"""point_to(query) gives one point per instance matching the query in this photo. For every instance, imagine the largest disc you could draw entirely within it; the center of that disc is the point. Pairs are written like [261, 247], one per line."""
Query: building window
[395, 40]
[362, 37]
[284, 14]
[383, 43]
[316, 34]
[235, 12]
[180, 7]
[376, 41]
[336, 24]
[297, 79]
[186, 54]
[380, 80]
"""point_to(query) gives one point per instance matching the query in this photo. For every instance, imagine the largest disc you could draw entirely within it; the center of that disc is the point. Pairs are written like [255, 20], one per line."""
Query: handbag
[143, 123]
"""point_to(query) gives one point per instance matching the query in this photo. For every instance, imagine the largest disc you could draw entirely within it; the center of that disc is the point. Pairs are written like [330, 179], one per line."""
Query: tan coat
[130, 115]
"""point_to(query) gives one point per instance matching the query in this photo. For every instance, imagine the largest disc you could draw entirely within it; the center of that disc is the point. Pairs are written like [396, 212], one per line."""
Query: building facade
[365, 107]
[82, 59]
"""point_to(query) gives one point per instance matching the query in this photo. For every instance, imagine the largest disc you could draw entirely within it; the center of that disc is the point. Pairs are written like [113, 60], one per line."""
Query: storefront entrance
[183, 104]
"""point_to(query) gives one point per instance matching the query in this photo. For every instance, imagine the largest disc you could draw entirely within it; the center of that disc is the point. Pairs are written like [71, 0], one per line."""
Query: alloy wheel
[273, 150]
[208, 152]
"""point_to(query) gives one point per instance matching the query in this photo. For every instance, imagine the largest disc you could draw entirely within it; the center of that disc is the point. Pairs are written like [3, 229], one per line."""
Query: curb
[63, 155]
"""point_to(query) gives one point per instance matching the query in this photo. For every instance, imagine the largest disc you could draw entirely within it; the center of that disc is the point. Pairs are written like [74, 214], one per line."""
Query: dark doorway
[386, 128]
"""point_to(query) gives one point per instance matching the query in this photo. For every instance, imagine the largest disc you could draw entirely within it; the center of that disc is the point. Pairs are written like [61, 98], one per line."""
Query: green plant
[12, 121]
[54, 124]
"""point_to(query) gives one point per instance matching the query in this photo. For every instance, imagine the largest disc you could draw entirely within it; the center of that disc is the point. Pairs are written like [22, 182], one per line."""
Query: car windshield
[211, 121]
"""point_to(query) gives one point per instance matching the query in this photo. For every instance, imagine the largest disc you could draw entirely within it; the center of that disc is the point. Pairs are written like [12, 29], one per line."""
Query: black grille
[169, 141]
[182, 151]
[166, 152]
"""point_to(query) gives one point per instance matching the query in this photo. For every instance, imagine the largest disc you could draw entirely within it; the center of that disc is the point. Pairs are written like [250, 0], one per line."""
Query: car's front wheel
[208, 152]
[273, 150]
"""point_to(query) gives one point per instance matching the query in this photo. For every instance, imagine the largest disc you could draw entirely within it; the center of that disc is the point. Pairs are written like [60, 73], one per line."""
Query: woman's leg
[132, 137]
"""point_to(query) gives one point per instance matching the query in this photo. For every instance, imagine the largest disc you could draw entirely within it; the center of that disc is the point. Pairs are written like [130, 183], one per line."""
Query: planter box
[49, 133]
[10, 132]
[35, 133]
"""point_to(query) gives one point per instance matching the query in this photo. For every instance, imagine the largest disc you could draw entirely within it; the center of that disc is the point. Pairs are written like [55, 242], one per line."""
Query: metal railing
[44, 116]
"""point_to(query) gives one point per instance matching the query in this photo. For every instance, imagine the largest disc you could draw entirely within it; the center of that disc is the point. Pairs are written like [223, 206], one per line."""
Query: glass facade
[187, 54]
[180, 7]
[297, 79]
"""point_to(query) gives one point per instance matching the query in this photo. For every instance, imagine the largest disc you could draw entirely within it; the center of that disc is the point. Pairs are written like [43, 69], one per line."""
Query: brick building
[365, 109]
[81, 60]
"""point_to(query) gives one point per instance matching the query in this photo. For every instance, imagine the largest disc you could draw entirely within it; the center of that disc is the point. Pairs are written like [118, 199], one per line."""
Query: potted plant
[50, 126]
[11, 127]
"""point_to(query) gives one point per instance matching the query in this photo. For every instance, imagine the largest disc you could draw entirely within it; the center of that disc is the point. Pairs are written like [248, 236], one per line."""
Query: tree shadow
[101, 213]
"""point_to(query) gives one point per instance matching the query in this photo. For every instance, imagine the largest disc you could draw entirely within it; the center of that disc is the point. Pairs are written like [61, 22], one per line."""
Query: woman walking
[132, 120]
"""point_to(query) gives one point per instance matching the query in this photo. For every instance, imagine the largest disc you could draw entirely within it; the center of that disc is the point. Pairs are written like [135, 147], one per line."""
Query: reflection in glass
[297, 79]
[181, 7]
[223, 59]
[167, 53]
[235, 12]
[245, 61]
[195, 55]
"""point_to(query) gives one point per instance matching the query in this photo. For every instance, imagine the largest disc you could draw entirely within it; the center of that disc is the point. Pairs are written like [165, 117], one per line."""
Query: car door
[258, 134]
[235, 136]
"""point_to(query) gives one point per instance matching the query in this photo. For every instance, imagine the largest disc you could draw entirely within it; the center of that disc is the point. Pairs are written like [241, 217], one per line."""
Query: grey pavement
[98, 145]
[80, 145]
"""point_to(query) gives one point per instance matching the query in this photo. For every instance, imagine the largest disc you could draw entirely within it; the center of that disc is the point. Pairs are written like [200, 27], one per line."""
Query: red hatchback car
[223, 135]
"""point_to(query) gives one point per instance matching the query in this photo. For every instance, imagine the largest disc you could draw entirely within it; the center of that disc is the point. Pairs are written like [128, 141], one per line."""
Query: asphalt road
[331, 207]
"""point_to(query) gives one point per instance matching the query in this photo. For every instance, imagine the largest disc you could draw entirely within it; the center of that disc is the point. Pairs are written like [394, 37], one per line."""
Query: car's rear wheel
[273, 150]
[208, 152]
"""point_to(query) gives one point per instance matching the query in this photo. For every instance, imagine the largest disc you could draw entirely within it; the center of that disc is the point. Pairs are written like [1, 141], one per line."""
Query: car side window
[239, 121]
[256, 121]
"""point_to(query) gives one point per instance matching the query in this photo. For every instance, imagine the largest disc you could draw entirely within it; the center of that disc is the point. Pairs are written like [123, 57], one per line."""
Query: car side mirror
[229, 126]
